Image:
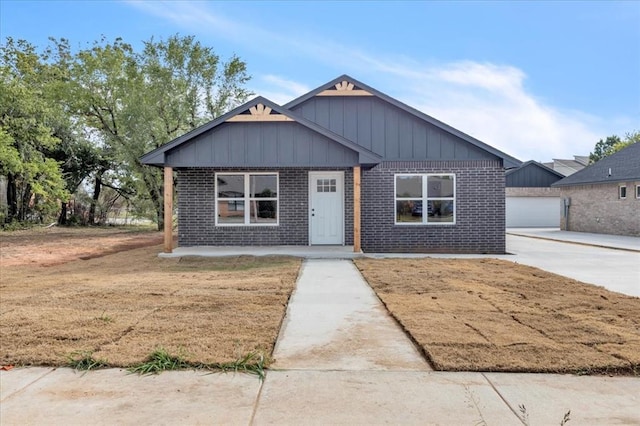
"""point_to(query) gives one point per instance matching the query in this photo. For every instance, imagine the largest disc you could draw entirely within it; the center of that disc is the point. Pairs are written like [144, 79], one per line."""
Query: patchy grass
[84, 361]
[121, 307]
[494, 315]
[160, 360]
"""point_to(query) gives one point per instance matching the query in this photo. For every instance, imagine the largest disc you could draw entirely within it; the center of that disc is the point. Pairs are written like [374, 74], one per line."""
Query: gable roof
[532, 174]
[623, 166]
[508, 161]
[157, 157]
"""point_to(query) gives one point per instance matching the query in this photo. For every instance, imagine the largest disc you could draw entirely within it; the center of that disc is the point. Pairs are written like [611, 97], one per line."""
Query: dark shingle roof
[623, 166]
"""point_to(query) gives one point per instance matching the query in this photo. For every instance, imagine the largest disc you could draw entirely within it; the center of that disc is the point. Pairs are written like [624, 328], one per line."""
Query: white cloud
[280, 90]
[488, 101]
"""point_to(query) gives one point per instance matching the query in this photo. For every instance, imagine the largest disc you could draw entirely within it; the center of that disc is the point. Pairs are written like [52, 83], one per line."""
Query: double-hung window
[622, 192]
[246, 199]
[426, 199]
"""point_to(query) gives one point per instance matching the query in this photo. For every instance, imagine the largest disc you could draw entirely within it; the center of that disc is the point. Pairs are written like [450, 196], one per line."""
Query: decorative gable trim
[344, 88]
[259, 113]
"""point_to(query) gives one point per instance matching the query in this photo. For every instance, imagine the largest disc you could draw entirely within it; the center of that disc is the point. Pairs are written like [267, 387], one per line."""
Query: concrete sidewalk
[36, 396]
[330, 369]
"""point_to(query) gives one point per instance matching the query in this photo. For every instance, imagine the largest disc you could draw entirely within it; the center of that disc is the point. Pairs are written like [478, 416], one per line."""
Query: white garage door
[523, 212]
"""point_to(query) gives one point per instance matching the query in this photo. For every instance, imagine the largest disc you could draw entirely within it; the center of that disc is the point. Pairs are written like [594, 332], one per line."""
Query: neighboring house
[569, 167]
[342, 165]
[605, 196]
[531, 202]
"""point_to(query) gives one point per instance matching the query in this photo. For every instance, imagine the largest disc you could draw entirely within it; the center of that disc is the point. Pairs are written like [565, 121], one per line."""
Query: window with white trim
[425, 199]
[638, 192]
[622, 192]
[247, 199]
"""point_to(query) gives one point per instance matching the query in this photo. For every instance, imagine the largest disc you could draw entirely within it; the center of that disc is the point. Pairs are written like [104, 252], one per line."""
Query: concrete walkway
[336, 322]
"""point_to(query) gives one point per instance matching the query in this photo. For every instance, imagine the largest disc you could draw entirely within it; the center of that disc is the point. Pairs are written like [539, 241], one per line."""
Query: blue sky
[538, 80]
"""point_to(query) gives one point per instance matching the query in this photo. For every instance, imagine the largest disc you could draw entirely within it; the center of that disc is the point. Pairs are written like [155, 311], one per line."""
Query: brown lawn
[57, 245]
[122, 306]
[494, 315]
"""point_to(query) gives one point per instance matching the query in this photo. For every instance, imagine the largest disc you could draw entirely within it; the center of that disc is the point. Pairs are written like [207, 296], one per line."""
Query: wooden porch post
[168, 209]
[356, 209]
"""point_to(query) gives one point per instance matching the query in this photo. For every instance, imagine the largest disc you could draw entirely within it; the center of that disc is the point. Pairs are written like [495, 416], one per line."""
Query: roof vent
[609, 172]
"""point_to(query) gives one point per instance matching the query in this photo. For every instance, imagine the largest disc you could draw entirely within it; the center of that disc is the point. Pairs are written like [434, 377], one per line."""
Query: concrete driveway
[614, 269]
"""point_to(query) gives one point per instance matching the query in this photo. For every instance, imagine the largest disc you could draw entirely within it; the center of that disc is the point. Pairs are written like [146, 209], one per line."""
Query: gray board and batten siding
[532, 175]
[390, 128]
[387, 130]
[262, 144]
[277, 144]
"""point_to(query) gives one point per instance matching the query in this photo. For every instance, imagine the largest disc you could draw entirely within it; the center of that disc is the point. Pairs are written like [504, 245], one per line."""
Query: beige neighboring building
[604, 197]
[568, 167]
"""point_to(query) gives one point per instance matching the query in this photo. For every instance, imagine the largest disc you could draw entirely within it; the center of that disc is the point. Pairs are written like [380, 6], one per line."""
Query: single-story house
[531, 202]
[343, 164]
[604, 197]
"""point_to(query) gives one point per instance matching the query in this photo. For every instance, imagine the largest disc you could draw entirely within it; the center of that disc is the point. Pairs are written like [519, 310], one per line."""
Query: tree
[34, 181]
[139, 101]
[71, 117]
[612, 145]
[603, 148]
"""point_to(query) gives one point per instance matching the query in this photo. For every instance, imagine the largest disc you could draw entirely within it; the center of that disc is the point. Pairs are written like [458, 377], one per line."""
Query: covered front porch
[307, 207]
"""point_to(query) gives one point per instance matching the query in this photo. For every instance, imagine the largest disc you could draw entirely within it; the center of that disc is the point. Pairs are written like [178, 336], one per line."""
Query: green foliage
[252, 363]
[135, 102]
[71, 117]
[10, 161]
[160, 360]
[83, 360]
[105, 318]
[603, 148]
[611, 145]
[34, 181]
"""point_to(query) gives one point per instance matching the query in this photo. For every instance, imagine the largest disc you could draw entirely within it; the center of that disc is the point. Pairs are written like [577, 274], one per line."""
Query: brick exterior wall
[196, 210]
[518, 191]
[480, 210]
[598, 209]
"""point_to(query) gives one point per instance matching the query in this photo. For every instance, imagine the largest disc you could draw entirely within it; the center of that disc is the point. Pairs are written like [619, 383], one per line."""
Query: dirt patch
[122, 306]
[494, 315]
[57, 245]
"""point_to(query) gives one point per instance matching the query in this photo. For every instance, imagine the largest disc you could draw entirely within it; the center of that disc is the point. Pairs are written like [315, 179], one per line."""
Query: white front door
[326, 208]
